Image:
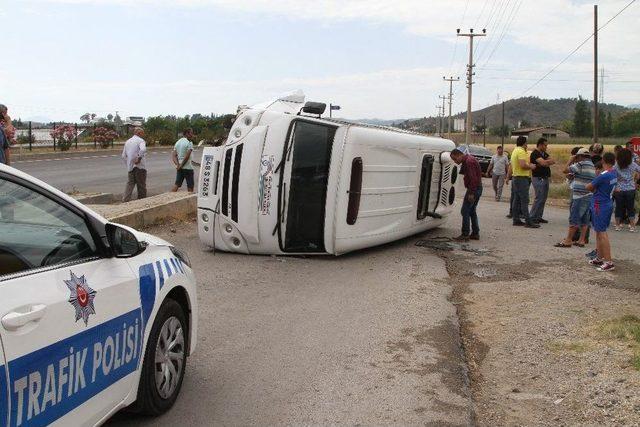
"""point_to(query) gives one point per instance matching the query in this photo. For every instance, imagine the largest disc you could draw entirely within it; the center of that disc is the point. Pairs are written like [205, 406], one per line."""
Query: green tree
[627, 124]
[608, 127]
[500, 130]
[567, 126]
[582, 118]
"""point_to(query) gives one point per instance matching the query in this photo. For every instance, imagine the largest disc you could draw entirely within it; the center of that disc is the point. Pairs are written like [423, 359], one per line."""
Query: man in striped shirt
[581, 168]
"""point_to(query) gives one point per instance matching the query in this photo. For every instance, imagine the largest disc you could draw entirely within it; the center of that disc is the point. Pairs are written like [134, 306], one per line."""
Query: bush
[104, 136]
[64, 135]
[162, 137]
[24, 139]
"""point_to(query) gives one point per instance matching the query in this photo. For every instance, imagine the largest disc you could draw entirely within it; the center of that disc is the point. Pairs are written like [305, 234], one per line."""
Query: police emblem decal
[81, 297]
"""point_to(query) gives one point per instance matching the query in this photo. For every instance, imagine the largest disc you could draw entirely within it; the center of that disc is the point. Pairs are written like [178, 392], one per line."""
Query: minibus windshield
[307, 190]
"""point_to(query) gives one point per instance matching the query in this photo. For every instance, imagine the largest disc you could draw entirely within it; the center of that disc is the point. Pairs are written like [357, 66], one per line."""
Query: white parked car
[94, 316]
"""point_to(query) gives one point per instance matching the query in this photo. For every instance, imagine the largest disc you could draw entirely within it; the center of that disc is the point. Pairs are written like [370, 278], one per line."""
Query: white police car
[94, 316]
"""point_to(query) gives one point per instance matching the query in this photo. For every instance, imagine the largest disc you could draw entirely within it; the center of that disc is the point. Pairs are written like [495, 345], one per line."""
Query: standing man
[498, 167]
[133, 154]
[521, 171]
[5, 125]
[540, 179]
[473, 184]
[182, 160]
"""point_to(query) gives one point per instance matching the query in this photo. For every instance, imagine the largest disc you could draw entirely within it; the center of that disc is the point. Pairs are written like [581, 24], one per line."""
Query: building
[540, 132]
[458, 125]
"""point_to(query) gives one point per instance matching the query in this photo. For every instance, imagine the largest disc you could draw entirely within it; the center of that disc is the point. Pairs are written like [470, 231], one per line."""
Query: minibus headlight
[228, 228]
[205, 217]
[237, 133]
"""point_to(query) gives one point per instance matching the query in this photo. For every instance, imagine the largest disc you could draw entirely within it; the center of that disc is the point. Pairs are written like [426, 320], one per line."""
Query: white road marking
[80, 157]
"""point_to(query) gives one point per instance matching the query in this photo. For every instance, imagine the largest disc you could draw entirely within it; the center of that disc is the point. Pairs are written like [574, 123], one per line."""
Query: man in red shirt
[473, 183]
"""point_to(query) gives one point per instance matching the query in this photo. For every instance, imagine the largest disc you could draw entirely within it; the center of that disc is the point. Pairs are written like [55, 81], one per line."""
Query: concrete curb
[151, 210]
[96, 199]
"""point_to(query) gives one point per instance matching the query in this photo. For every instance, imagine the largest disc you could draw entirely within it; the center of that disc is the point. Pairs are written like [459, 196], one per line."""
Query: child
[601, 209]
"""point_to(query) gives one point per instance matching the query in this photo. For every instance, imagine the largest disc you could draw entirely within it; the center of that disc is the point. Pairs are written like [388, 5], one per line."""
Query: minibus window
[237, 164]
[355, 188]
[307, 190]
[225, 182]
[426, 174]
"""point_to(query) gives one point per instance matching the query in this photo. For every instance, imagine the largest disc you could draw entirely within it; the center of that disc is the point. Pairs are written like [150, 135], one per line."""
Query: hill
[532, 111]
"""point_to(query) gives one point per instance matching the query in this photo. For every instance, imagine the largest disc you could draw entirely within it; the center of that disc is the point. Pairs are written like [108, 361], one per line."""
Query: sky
[374, 58]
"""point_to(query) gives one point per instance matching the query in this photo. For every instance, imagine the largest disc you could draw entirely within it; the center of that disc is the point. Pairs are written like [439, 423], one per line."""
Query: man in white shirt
[133, 155]
[498, 171]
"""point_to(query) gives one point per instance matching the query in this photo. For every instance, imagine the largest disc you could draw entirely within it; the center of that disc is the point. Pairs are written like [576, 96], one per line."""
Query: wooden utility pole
[450, 80]
[484, 131]
[470, 74]
[443, 109]
[502, 132]
[596, 115]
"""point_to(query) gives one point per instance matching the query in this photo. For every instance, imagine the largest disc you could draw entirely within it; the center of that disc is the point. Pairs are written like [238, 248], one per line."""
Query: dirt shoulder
[548, 340]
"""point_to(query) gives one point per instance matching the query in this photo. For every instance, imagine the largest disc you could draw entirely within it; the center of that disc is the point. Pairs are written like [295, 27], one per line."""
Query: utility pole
[470, 74]
[596, 115]
[502, 132]
[450, 80]
[442, 118]
[484, 131]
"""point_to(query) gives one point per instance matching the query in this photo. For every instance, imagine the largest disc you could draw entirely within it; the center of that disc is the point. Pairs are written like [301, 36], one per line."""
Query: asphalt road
[98, 172]
[367, 338]
[373, 338]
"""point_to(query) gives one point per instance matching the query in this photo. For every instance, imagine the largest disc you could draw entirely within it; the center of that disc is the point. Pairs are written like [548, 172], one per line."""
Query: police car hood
[151, 239]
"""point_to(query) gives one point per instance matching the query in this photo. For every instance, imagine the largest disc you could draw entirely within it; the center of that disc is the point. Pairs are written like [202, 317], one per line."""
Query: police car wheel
[164, 361]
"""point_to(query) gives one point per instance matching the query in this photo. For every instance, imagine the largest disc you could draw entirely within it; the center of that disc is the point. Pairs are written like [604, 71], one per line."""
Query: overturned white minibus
[288, 181]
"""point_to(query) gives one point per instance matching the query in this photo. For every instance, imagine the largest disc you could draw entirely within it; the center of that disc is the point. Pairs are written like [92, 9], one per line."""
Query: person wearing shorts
[581, 171]
[182, 160]
[602, 188]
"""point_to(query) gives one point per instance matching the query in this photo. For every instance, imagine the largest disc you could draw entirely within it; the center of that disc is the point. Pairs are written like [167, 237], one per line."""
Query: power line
[505, 29]
[494, 30]
[455, 45]
[577, 48]
[484, 6]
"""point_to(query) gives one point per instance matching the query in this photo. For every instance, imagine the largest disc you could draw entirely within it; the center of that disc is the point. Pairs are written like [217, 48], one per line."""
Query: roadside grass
[568, 346]
[625, 329]
[558, 190]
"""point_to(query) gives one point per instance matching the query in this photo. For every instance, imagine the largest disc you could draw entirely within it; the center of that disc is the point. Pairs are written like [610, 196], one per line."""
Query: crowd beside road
[600, 183]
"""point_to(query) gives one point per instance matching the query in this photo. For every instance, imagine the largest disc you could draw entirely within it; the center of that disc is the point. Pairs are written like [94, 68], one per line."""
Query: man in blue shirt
[601, 209]
[182, 160]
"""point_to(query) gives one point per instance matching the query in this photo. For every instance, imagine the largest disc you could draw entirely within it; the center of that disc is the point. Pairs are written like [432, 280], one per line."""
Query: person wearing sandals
[627, 172]
[602, 188]
[582, 171]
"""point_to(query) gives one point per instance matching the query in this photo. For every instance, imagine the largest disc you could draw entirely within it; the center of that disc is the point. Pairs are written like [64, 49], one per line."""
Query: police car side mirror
[123, 242]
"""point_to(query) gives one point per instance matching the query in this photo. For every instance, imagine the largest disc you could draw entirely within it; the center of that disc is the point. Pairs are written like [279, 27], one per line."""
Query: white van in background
[288, 181]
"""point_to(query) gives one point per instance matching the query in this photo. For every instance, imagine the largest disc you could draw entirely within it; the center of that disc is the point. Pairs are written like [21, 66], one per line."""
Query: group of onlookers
[134, 153]
[599, 182]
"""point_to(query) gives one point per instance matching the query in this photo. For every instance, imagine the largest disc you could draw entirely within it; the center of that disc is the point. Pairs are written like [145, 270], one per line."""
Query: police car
[94, 316]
